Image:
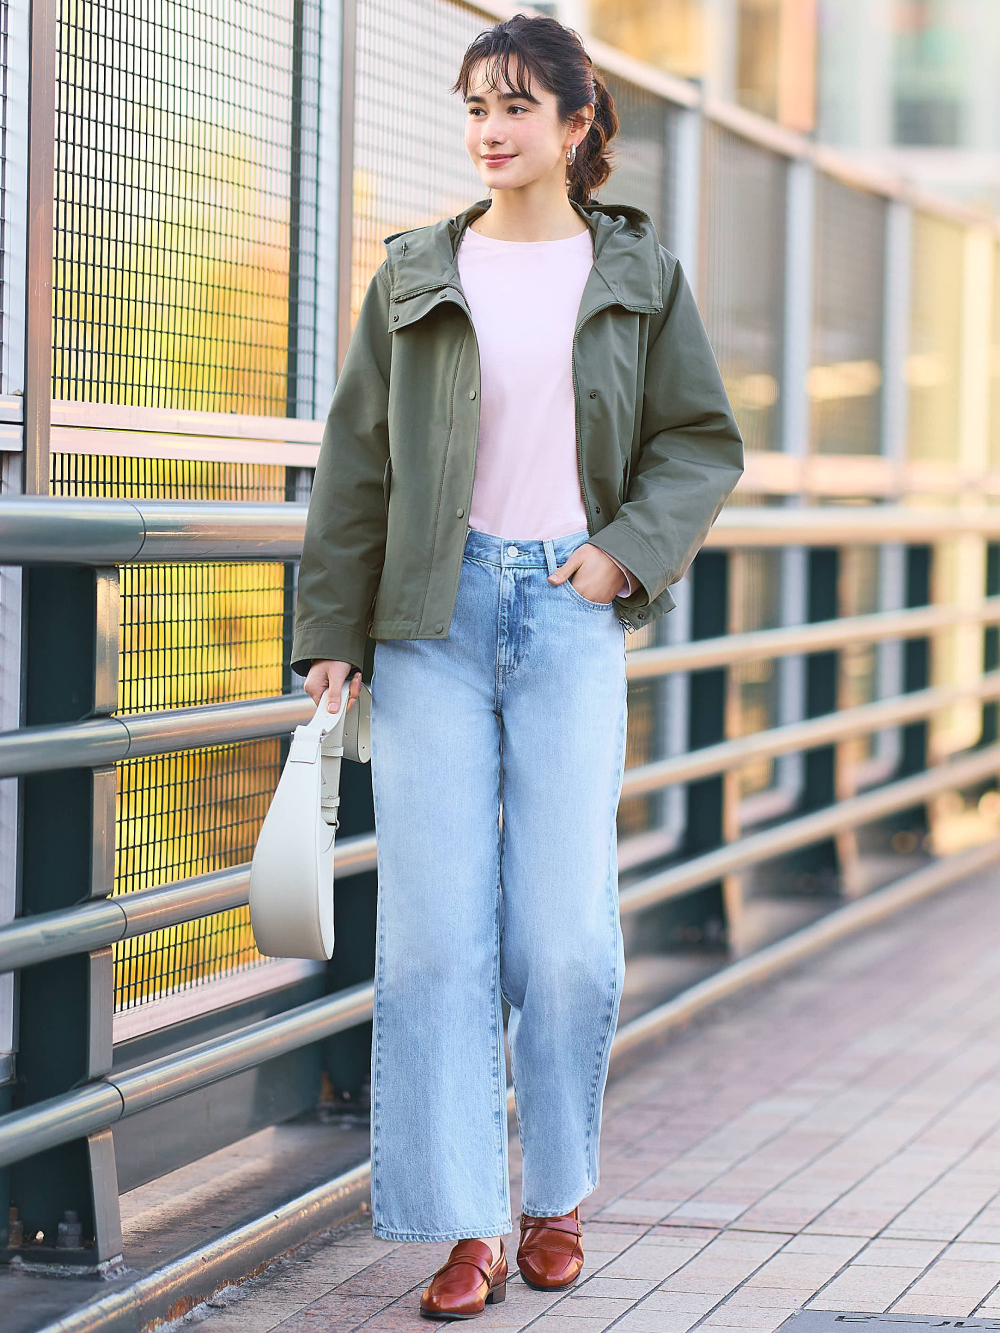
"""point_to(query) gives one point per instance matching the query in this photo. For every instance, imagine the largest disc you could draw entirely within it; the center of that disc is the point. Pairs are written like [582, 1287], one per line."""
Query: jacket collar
[423, 267]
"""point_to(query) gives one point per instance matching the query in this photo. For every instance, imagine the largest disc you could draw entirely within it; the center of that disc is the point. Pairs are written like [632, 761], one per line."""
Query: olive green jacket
[658, 446]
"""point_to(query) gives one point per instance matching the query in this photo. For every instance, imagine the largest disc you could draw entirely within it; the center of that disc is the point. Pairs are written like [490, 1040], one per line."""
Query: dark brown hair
[523, 49]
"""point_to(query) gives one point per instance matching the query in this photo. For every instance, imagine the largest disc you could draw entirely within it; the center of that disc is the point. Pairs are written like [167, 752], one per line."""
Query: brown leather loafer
[466, 1282]
[550, 1254]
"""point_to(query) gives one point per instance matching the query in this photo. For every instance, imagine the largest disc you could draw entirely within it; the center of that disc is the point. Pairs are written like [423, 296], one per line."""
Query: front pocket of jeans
[591, 606]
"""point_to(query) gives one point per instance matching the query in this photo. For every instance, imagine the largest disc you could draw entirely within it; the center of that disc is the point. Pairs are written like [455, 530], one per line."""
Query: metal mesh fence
[642, 175]
[845, 377]
[933, 364]
[742, 276]
[180, 815]
[180, 171]
[410, 163]
[190, 634]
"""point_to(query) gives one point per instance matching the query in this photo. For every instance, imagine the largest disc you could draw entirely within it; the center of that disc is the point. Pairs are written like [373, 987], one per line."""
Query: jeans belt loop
[550, 556]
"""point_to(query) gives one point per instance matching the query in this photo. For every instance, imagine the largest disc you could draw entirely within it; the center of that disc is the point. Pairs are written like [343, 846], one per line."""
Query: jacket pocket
[387, 482]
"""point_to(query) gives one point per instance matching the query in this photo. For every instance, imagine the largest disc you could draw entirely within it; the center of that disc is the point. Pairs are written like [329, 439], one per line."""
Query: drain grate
[833, 1321]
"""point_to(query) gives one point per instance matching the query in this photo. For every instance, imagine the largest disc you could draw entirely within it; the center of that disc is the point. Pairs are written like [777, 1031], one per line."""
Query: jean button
[512, 552]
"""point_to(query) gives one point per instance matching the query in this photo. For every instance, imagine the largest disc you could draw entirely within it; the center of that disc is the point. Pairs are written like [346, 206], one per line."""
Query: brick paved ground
[830, 1142]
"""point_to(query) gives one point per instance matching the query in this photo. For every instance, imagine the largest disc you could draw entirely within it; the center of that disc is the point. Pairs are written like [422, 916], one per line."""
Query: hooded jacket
[658, 446]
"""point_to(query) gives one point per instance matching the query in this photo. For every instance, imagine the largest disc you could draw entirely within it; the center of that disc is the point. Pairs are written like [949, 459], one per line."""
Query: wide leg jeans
[497, 758]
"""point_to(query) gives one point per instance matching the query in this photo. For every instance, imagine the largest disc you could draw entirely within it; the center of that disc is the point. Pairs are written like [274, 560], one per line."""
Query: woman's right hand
[330, 676]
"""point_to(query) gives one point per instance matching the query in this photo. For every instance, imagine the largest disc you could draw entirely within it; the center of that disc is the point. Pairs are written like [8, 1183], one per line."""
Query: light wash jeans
[523, 703]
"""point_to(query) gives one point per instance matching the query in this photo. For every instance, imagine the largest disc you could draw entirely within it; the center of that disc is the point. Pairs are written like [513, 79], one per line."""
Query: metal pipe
[95, 742]
[645, 663]
[55, 530]
[234, 530]
[842, 525]
[803, 735]
[94, 925]
[99, 741]
[98, 1105]
[678, 880]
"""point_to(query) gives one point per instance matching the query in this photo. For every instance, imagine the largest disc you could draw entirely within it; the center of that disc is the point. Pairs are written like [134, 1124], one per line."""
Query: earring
[571, 155]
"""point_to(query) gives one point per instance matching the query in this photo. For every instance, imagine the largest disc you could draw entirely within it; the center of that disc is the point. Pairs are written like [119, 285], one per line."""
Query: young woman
[528, 443]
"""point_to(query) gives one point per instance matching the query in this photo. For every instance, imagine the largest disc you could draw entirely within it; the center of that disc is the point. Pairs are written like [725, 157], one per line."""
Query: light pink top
[524, 297]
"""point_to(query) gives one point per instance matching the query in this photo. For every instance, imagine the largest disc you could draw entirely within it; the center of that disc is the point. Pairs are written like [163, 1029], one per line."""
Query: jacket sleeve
[690, 455]
[345, 530]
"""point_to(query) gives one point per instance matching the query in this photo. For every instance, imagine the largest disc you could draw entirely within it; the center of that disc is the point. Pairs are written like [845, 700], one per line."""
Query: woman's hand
[331, 676]
[598, 578]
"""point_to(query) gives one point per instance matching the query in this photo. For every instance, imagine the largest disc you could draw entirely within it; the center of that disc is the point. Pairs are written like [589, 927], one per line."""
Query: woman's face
[515, 139]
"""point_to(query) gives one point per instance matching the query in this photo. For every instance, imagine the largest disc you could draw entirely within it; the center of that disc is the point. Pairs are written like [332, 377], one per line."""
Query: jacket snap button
[597, 509]
[395, 319]
[443, 296]
[438, 629]
[642, 615]
[472, 393]
[593, 393]
[460, 513]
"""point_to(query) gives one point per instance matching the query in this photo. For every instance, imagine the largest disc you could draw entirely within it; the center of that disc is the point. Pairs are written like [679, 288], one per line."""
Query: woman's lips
[498, 160]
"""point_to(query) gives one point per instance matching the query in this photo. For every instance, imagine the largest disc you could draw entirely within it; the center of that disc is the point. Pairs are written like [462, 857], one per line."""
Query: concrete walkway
[829, 1143]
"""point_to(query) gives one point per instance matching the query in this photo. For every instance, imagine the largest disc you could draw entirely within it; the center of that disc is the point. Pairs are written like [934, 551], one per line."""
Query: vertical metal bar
[38, 312]
[686, 191]
[327, 208]
[800, 190]
[65, 1015]
[896, 329]
[345, 248]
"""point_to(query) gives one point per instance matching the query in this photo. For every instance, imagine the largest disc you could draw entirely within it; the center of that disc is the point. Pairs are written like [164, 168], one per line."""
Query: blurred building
[913, 86]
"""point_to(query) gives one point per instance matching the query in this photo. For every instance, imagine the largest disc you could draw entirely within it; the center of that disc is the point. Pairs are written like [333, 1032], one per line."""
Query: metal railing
[104, 534]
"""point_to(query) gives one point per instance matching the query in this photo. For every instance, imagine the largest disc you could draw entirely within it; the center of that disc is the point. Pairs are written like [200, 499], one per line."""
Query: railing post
[71, 617]
[822, 670]
[711, 910]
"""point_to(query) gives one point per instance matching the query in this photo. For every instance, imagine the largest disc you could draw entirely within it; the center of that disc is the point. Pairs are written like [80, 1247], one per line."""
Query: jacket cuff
[636, 561]
[326, 643]
[628, 587]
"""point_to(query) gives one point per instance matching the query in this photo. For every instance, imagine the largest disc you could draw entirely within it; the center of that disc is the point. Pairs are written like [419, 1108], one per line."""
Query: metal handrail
[757, 847]
[824, 730]
[65, 531]
[31, 940]
[644, 663]
[107, 740]
[100, 1104]
[94, 925]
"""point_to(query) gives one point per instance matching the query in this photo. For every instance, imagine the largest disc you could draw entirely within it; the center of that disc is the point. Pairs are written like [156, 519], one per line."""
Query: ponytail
[594, 162]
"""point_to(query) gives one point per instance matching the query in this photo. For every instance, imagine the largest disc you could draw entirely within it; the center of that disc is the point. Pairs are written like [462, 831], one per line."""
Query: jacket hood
[626, 254]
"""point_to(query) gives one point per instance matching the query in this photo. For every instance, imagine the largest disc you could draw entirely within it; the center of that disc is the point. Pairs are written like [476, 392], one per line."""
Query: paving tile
[865, 1289]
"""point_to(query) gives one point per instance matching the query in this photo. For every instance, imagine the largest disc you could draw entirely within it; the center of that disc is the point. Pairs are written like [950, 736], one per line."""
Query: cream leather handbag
[291, 878]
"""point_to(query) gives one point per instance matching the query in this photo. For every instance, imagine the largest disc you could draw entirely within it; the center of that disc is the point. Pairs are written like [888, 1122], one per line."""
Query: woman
[528, 443]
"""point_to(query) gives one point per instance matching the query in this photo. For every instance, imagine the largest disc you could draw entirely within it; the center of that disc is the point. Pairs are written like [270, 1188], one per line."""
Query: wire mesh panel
[190, 634]
[180, 170]
[410, 162]
[742, 276]
[845, 376]
[933, 364]
[641, 154]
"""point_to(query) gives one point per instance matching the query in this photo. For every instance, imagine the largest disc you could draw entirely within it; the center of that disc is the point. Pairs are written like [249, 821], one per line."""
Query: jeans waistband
[511, 553]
